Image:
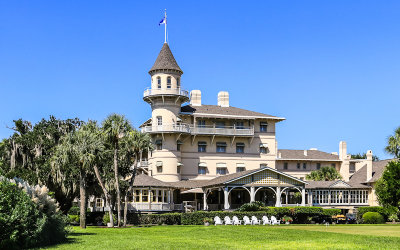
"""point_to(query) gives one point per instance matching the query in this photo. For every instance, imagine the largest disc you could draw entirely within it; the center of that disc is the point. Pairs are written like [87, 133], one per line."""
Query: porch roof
[339, 184]
[143, 180]
[240, 178]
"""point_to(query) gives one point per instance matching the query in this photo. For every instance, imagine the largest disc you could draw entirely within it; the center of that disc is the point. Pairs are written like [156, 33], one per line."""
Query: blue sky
[330, 67]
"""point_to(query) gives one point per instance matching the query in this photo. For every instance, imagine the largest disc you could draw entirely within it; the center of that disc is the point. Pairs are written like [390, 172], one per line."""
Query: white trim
[242, 116]
[289, 159]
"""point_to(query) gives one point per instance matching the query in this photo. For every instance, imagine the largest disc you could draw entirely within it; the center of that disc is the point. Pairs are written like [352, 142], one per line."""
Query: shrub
[106, 218]
[74, 210]
[362, 210]
[253, 206]
[393, 217]
[160, 219]
[373, 218]
[73, 219]
[331, 211]
[287, 219]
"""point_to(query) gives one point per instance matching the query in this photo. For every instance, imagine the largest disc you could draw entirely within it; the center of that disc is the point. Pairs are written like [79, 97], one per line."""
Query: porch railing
[153, 92]
[173, 127]
[227, 130]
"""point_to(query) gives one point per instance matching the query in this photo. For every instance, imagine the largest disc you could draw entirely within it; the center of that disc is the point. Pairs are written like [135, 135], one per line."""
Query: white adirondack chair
[254, 220]
[274, 221]
[217, 221]
[228, 220]
[266, 221]
[246, 220]
[236, 221]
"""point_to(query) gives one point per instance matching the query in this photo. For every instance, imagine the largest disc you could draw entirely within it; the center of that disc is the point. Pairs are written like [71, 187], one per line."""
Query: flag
[163, 21]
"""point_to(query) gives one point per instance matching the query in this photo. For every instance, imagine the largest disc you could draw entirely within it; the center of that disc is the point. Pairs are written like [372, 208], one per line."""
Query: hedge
[381, 210]
[373, 218]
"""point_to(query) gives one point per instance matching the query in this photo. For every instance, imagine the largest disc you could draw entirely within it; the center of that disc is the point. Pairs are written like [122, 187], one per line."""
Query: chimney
[342, 150]
[369, 165]
[195, 98]
[305, 152]
[223, 99]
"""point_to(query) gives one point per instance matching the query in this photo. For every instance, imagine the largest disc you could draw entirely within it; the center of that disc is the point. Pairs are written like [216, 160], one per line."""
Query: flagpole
[165, 35]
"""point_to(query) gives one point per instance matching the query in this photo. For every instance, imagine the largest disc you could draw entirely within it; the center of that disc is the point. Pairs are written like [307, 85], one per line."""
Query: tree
[27, 154]
[115, 127]
[364, 156]
[393, 146]
[324, 174]
[387, 187]
[78, 152]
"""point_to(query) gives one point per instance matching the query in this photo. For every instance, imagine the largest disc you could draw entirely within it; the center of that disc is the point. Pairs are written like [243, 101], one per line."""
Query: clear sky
[331, 68]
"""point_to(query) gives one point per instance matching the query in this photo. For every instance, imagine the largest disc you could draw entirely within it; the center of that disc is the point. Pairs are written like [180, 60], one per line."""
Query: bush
[253, 206]
[73, 219]
[331, 211]
[106, 218]
[362, 210]
[160, 219]
[373, 218]
[393, 218]
[74, 210]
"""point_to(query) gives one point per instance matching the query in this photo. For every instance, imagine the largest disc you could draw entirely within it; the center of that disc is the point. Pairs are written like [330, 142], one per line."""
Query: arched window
[168, 82]
[159, 82]
[178, 82]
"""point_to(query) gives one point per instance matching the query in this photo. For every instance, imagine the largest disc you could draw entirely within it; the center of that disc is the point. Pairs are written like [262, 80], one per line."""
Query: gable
[267, 177]
[339, 184]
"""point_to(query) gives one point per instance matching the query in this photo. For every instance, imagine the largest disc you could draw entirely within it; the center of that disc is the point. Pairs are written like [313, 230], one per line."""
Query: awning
[180, 164]
[159, 164]
[263, 145]
[240, 144]
[240, 165]
[221, 144]
[179, 142]
[221, 165]
[202, 143]
[193, 191]
[202, 164]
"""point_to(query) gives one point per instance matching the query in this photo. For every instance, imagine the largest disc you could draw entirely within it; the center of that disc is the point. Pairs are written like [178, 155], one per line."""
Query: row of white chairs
[246, 221]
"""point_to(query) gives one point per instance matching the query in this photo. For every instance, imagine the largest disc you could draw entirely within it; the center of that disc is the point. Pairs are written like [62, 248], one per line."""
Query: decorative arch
[255, 192]
[229, 192]
[298, 189]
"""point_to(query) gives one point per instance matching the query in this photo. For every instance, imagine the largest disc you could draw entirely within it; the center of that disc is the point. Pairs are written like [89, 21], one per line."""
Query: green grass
[236, 237]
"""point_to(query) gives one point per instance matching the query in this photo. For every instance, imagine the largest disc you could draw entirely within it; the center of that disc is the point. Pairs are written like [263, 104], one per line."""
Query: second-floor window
[318, 166]
[202, 170]
[221, 171]
[158, 144]
[221, 147]
[159, 82]
[285, 165]
[220, 124]
[201, 146]
[178, 145]
[201, 123]
[304, 165]
[298, 165]
[240, 147]
[168, 82]
[263, 126]
[178, 82]
[240, 125]
[159, 120]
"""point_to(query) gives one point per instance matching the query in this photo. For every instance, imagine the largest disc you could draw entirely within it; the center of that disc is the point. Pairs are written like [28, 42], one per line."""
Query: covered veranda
[270, 186]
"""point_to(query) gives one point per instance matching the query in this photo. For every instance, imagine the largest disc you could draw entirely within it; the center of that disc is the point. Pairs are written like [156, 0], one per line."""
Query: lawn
[236, 237]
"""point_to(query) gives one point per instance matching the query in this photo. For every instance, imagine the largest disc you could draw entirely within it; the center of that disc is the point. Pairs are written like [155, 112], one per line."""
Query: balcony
[165, 92]
[167, 128]
[227, 130]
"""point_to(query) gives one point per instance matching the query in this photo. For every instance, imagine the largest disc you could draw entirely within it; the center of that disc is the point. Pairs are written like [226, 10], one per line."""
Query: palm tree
[79, 149]
[115, 127]
[393, 146]
[324, 174]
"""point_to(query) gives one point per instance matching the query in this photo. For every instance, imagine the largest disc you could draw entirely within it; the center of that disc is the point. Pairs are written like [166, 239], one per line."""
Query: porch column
[205, 206]
[252, 194]
[226, 199]
[310, 198]
[278, 197]
[303, 197]
[286, 196]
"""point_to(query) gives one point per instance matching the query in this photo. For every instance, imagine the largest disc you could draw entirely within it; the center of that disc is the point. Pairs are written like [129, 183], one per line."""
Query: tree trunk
[82, 190]
[126, 207]
[106, 195]
[117, 185]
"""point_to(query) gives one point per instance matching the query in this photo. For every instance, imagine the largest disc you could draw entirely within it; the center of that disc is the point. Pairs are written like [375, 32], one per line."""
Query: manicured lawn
[234, 237]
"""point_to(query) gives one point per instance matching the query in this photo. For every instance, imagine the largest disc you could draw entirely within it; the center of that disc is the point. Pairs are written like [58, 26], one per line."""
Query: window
[168, 82]
[220, 124]
[178, 169]
[201, 123]
[99, 202]
[160, 195]
[159, 120]
[178, 82]
[202, 145]
[240, 125]
[285, 165]
[159, 82]
[263, 165]
[221, 147]
[333, 165]
[263, 148]
[298, 165]
[221, 171]
[352, 168]
[158, 144]
[137, 195]
[178, 145]
[318, 166]
[263, 126]
[304, 165]
[159, 165]
[240, 167]
[240, 147]
[202, 168]
[153, 196]
[145, 195]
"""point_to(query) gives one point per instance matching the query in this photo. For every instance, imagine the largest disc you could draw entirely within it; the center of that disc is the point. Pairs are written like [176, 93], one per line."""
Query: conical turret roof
[165, 60]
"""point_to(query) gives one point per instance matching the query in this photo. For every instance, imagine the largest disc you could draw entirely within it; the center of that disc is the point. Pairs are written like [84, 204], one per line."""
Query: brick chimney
[223, 99]
[195, 98]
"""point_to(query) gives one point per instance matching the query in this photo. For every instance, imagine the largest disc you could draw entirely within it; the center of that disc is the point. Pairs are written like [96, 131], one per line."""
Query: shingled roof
[224, 111]
[291, 154]
[143, 180]
[333, 184]
[377, 170]
[165, 60]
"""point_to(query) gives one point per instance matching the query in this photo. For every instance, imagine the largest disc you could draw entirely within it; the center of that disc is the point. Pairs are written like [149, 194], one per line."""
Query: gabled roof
[339, 184]
[165, 60]
[189, 183]
[143, 180]
[215, 110]
[377, 170]
[292, 154]
[236, 176]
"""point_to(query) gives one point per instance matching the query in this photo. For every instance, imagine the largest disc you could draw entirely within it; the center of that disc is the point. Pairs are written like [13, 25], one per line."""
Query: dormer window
[168, 82]
[159, 82]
